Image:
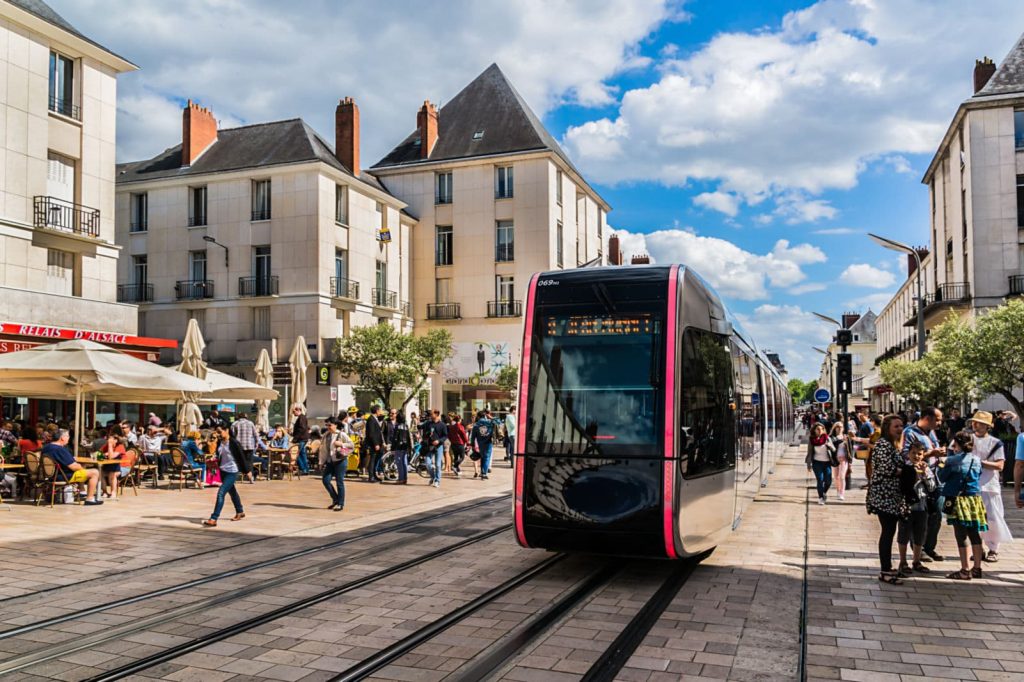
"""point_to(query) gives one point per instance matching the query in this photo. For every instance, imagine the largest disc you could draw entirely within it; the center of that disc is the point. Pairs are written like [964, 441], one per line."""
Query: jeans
[336, 470]
[931, 534]
[823, 476]
[436, 460]
[485, 458]
[402, 462]
[301, 460]
[227, 487]
[195, 465]
[889, 522]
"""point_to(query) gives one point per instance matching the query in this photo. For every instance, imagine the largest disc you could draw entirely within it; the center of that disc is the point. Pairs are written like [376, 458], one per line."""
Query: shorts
[912, 530]
[80, 476]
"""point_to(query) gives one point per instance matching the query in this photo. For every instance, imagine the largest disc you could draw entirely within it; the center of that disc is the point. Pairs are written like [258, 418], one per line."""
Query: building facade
[263, 233]
[862, 352]
[497, 200]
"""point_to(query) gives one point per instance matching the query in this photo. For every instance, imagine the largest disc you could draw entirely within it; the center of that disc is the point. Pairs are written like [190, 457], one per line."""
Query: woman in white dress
[989, 450]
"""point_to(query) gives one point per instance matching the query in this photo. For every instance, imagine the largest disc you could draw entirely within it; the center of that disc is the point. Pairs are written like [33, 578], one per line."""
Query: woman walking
[232, 463]
[961, 476]
[990, 451]
[843, 449]
[820, 458]
[885, 498]
[458, 438]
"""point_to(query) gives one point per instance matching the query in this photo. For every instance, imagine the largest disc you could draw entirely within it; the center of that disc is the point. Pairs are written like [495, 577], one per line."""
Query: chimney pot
[984, 69]
[426, 123]
[641, 259]
[198, 132]
[346, 134]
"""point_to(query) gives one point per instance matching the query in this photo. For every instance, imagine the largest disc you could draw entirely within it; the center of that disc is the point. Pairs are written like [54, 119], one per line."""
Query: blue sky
[758, 142]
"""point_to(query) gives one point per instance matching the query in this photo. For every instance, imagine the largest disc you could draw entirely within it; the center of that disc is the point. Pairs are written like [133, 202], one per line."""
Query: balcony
[197, 221]
[134, 293]
[504, 253]
[504, 308]
[947, 295]
[406, 309]
[65, 108]
[261, 214]
[52, 213]
[444, 311]
[344, 288]
[1016, 285]
[382, 298]
[258, 286]
[193, 289]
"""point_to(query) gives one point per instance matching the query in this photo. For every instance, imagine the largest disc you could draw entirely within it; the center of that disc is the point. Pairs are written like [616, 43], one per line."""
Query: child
[912, 530]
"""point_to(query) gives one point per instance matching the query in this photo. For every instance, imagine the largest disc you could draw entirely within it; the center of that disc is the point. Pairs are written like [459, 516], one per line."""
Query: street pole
[920, 308]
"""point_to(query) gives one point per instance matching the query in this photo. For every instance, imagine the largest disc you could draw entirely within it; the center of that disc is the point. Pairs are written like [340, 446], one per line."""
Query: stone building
[862, 352]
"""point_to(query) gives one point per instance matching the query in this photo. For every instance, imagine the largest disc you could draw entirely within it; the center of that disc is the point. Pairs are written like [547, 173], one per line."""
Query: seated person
[113, 451]
[194, 455]
[152, 445]
[279, 438]
[68, 469]
[29, 441]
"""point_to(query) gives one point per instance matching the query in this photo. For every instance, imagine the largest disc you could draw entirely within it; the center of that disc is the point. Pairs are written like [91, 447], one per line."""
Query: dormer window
[478, 135]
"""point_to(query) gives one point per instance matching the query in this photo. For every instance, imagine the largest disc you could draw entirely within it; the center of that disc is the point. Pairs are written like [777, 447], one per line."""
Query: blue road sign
[822, 395]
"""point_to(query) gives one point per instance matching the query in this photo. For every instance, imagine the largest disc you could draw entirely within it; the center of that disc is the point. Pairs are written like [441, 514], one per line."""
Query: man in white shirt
[510, 432]
[152, 443]
[989, 450]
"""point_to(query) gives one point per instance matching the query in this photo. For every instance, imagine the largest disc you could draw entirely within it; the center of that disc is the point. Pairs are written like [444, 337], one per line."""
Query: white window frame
[504, 182]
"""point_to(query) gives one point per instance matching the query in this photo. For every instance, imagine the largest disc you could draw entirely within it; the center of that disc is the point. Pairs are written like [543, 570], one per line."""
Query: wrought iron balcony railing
[504, 308]
[258, 286]
[56, 214]
[383, 298]
[193, 289]
[444, 311]
[344, 288]
[134, 293]
[65, 107]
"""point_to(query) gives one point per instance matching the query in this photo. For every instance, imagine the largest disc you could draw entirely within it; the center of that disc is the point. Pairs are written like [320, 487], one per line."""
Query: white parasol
[298, 363]
[192, 364]
[264, 378]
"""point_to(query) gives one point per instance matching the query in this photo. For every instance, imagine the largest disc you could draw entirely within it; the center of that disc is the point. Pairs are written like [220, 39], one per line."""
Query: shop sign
[477, 363]
[9, 346]
[323, 375]
[70, 334]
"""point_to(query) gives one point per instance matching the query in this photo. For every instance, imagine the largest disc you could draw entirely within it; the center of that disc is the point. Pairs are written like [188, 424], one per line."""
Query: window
[261, 263]
[558, 188]
[340, 264]
[60, 178]
[341, 204]
[62, 85]
[707, 442]
[140, 270]
[443, 245]
[857, 359]
[505, 288]
[60, 272]
[443, 192]
[261, 199]
[197, 266]
[442, 290]
[140, 212]
[504, 241]
[1018, 129]
[559, 246]
[261, 323]
[196, 206]
[1020, 201]
[382, 275]
[503, 182]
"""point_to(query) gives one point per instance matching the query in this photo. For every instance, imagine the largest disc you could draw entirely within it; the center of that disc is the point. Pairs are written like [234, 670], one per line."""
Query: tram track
[241, 570]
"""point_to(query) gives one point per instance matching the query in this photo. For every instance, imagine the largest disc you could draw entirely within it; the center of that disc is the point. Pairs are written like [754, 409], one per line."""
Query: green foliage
[993, 351]
[802, 391]
[508, 378]
[940, 378]
[385, 359]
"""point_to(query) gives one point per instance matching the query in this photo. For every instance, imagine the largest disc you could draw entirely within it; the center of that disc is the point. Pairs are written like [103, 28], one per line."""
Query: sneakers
[842, 498]
[821, 501]
[483, 477]
[337, 507]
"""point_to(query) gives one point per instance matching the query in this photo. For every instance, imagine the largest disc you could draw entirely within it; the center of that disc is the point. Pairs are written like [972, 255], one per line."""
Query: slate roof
[252, 146]
[47, 14]
[1009, 77]
[489, 104]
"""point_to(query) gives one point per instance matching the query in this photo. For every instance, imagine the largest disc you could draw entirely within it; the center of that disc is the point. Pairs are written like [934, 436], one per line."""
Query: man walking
[481, 438]
[244, 431]
[510, 432]
[435, 435]
[300, 436]
[374, 444]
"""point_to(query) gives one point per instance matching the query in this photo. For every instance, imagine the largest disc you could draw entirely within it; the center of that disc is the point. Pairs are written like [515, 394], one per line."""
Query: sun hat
[982, 417]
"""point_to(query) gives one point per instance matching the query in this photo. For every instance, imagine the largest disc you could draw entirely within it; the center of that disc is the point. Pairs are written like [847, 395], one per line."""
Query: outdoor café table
[280, 452]
[4, 466]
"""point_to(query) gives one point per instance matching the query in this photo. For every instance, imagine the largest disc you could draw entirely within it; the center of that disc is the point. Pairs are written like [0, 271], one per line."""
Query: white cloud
[865, 275]
[837, 231]
[790, 331]
[873, 301]
[808, 288]
[803, 106]
[733, 271]
[723, 202]
[263, 60]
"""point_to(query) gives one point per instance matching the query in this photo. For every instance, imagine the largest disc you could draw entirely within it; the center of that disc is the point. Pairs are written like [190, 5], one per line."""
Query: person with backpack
[482, 440]
[401, 444]
[458, 439]
[334, 452]
[960, 475]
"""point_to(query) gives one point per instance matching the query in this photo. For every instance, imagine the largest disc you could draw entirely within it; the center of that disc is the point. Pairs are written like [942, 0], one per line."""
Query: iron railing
[198, 221]
[134, 293]
[1016, 285]
[56, 214]
[344, 288]
[444, 311]
[193, 289]
[258, 286]
[261, 214]
[406, 309]
[383, 298]
[64, 107]
[504, 253]
[504, 308]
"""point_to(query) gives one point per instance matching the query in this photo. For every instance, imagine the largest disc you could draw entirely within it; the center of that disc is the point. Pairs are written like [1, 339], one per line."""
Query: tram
[648, 419]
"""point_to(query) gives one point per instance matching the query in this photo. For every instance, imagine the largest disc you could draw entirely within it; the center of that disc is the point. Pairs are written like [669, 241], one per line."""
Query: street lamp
[893, 245]
[211, 240]
[840, 399]
[831, 374]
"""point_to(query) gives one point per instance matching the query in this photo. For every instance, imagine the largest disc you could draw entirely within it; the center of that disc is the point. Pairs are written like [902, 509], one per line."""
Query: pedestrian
[447, 419]
[923, 432]
[244, 431]
[458, 439]
[885, 498]
[961, 479]
[912, 529]
[300, 436]
[1006, 432]
[401, 444]
[374, 445]
[232, 464]
[876, 433]
[435, 434]
[843, 456]
[820, 458]
[510, 432]
[954, 424]
[482, 440]
[989, 450]
[333, 456]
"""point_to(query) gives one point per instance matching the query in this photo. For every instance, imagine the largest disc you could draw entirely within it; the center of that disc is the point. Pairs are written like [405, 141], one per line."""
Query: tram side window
[707, 444]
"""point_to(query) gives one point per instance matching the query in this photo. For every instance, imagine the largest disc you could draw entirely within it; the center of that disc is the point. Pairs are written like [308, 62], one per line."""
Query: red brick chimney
[426, 123]
[346, 134]
[912, 263]
[641, 259]
[198, 132]
[614, 251]
[983, 70]
[850, 319]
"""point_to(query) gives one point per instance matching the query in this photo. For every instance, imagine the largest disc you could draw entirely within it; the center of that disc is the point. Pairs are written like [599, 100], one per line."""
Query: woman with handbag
[885, 497]
[821, 457]
[960, 475]
[232, 464]
[333, 460]
[843, 449]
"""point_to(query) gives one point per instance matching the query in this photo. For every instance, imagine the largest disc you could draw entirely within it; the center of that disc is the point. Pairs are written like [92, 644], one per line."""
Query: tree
[797, 389]
[508, 378]
[384, 359]
[940, 378]
[992, 353]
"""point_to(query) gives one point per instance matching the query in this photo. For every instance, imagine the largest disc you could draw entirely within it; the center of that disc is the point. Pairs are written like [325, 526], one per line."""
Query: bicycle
[422, 465]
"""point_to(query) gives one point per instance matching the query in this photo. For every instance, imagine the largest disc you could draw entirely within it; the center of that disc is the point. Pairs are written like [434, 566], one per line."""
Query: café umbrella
[82, 369]
[298, 363]
[192, 364]
[264, 378]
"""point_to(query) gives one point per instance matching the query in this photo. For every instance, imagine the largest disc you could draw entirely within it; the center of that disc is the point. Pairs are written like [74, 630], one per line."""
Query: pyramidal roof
[487, 117]
[1009, 77]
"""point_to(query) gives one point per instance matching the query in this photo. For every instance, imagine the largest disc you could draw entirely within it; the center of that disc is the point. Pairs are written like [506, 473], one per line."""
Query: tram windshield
[596, 378]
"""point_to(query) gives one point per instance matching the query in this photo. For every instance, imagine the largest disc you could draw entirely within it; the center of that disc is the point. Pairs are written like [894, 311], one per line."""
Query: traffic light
[844, 371]
[844, 337]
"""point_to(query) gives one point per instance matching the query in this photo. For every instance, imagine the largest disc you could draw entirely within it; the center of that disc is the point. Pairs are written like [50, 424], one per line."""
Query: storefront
[469, 378]
[15, 336]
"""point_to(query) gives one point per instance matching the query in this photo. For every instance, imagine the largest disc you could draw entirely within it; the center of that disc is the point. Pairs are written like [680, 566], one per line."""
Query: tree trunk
[1018, 406]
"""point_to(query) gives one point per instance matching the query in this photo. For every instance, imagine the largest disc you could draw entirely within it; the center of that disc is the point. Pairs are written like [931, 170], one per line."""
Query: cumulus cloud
[836, 231]
[262, 60]
[790, 331]
[865, 275]
[874, 302]
[808, 288]
[723, 202]
[733, 271]
[803, 106]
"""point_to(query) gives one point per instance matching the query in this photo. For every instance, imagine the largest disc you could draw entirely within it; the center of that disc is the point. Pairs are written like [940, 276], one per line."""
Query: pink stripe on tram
[524, 383]
[668, 475]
